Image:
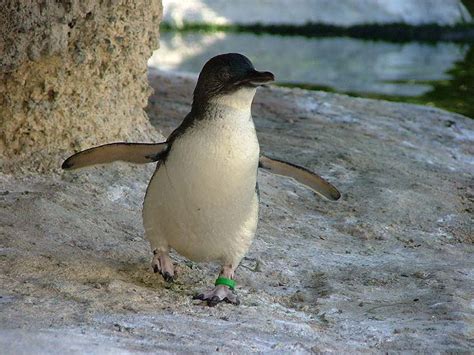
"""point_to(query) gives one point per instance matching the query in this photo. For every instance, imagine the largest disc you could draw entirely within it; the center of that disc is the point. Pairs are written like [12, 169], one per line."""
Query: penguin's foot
[223, 291]
[163, 264]
[220, 293]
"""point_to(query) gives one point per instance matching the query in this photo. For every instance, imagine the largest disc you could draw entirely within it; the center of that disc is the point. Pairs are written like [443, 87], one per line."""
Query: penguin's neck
[238, 100]
[237, 103]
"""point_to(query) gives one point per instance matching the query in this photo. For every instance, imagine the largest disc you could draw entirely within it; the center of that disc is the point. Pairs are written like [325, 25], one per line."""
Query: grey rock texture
[387, 268]
[300, 12]
[72, 74]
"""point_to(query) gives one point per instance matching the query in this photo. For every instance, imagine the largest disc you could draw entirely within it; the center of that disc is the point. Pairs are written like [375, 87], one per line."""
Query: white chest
[218, 156]
[202, 199]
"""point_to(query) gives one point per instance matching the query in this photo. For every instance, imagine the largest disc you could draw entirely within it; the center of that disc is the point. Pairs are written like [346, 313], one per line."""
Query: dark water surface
[439, 74]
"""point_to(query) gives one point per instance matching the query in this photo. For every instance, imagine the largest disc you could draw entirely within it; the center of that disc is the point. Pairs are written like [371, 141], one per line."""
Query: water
[439, 74]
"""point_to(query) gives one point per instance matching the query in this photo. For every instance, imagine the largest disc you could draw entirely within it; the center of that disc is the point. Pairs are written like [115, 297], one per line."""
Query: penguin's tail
[136, 153]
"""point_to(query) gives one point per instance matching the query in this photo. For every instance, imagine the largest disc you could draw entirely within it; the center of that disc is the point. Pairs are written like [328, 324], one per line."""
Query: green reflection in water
[455, 94]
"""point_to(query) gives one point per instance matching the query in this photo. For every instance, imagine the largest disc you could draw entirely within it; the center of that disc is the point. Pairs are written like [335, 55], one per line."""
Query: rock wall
[72, 75]
[341, 12]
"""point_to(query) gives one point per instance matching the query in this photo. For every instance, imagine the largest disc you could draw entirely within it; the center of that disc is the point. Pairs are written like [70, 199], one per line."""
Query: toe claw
[213, 301]
[168, 277]
[199, 296]
[234, 301]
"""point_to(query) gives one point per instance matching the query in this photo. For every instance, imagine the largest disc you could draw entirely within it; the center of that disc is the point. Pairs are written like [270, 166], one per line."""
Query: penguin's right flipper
[136, 153]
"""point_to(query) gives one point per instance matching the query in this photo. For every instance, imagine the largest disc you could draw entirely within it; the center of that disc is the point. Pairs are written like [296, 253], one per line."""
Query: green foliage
[469, 4]
[396, 32]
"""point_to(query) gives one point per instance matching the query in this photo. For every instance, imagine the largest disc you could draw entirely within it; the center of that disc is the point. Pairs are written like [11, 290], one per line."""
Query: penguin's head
[228, 75]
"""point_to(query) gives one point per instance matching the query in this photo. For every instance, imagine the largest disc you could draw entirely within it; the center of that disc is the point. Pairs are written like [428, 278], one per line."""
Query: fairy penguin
[202, 201]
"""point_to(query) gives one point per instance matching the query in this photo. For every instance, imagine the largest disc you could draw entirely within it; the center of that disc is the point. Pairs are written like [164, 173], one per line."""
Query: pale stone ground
[389, 267]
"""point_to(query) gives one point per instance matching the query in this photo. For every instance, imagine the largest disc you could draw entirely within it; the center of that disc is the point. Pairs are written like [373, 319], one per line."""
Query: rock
[72, 74]
[301, 12]
[387, 268]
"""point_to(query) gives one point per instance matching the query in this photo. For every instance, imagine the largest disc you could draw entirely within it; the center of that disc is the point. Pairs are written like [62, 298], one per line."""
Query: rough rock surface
[340, 12]
[389, 267]
[72, 74]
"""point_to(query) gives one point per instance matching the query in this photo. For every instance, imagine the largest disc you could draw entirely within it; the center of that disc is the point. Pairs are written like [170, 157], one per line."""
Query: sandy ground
[387, 268]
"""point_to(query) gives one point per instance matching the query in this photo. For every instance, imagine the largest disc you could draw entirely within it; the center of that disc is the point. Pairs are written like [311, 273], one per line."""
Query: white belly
[202, 200]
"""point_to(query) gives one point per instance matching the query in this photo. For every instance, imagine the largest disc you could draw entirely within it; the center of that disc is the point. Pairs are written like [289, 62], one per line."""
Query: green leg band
[225, 281]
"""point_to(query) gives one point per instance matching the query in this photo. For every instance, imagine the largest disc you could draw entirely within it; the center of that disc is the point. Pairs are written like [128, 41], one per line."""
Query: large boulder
[72, 75]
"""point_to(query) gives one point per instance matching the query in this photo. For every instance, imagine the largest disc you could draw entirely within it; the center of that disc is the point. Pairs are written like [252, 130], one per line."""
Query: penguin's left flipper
[136, 153]
[302, 175]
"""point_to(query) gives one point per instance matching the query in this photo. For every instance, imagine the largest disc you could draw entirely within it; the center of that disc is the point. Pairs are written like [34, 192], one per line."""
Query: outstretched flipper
[137, 153]
[302, 175]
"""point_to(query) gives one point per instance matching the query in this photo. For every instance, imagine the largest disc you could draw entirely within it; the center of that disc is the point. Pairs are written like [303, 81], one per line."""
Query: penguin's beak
[257, 78]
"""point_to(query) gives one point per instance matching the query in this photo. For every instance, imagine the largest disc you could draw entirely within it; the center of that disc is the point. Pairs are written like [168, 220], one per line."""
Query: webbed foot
[163, 264]
[223, 291]
[218, 294]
